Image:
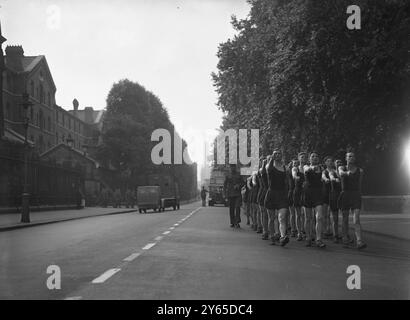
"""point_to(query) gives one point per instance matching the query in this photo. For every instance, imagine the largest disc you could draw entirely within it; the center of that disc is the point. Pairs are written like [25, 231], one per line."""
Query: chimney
[14, 55]
[89, 115]
[75, 106]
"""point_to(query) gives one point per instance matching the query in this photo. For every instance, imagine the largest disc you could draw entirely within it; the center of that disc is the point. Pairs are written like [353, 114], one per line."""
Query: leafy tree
[133, 113]
[298, 74]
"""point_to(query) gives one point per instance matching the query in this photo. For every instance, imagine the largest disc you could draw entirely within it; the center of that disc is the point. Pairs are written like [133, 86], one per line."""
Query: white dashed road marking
[109, 273]
[106, 275]
[149, 246]
[74, 298]
[132, 257]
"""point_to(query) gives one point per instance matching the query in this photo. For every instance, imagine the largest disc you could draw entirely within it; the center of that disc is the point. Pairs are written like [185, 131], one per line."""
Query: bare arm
[269, 165]
[295, 173]
[324, 178]
[248, 183]
[333, 176]
[342, 171]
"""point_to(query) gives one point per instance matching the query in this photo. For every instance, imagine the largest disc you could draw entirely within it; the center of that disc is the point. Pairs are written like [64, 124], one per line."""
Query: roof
[97, 115]
[63, 145]
[28, 64]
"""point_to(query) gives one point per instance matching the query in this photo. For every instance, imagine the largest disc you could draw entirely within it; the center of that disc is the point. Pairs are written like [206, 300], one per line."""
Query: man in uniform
[232, 191]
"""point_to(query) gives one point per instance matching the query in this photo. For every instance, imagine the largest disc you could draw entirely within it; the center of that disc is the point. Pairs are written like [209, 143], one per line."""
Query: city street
[192, 253]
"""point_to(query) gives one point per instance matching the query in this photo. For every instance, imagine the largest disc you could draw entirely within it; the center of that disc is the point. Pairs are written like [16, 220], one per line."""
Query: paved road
[201, 257]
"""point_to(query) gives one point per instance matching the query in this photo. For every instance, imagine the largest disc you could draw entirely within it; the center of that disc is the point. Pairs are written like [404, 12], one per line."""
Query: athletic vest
[313, 179]
[299, 183]
[291, 181]
[351, 182]
[335, 186]
[277, 179]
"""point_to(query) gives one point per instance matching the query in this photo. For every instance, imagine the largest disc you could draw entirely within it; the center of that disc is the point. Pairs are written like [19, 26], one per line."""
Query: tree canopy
[296, 72]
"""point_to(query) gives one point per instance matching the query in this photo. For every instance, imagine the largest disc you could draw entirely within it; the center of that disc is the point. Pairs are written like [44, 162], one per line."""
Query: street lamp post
[25, 198]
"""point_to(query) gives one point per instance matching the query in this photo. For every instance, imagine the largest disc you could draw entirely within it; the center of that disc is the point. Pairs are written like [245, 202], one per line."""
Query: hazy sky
[168, 46]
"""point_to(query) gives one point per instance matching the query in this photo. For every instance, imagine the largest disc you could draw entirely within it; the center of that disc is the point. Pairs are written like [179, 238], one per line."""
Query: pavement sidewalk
[391, 225]
[10, 221]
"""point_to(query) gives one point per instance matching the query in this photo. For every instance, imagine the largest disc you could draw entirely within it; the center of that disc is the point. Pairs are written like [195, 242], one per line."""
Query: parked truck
[161, 192]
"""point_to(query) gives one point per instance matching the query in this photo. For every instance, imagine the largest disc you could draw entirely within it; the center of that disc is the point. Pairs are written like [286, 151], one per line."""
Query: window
[32, 88]
[48, 124]
[41, 120]
[48, 99]
[8, 111]
[41, 144]
[56, 137]
[41, 93]
[31, 115]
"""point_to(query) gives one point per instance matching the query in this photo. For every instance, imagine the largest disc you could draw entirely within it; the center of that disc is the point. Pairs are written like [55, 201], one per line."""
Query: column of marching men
[304, 200]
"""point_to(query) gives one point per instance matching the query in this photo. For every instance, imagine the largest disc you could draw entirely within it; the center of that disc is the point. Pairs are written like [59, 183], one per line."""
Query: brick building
[49, 123]
[29, 74]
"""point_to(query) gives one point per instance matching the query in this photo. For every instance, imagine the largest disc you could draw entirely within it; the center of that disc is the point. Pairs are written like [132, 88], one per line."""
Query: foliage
[298, 74]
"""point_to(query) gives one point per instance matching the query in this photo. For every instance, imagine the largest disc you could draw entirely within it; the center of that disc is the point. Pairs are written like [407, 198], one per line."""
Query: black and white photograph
[204, 155]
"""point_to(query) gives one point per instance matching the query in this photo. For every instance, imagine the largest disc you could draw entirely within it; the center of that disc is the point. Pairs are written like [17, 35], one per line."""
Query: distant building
[49, 124]
[29, 74]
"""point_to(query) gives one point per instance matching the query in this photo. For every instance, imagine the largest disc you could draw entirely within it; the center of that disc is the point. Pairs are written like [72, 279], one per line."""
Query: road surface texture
[192, 253]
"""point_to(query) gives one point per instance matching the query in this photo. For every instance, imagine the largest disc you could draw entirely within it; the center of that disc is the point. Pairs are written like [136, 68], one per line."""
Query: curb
[384, 235]
[40, 223]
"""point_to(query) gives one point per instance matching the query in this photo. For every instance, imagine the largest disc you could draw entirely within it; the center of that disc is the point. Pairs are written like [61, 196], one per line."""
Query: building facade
[29, 74]
[49, 123]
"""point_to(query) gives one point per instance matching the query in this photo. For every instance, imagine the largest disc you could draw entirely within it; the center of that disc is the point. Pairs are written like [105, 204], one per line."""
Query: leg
[283, 218]
[271, 223]
[232, 211]
[308, 224]
[265, 223]
[313, 223]
[319, 225]
[237, 215]
[259, 218]
[303, 219]
[298, 219]
[247, 213]
[276, 224]
[345, 226]
[325, 215]
[335, 224]
[254, 217]
[292, 218]
[357, 226]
